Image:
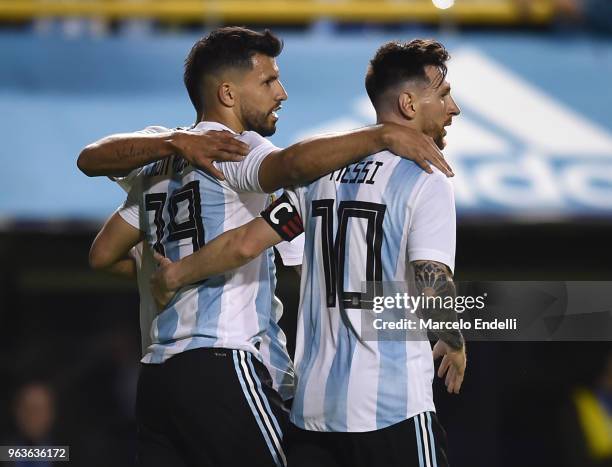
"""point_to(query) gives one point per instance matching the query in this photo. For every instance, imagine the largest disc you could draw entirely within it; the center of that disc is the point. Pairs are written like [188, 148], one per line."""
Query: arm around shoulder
[117, 155]
[113, 243]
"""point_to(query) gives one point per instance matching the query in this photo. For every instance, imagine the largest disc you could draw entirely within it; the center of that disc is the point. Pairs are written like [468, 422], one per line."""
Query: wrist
[173, 276]
[173, 142]
[383, 133]
[455, 341]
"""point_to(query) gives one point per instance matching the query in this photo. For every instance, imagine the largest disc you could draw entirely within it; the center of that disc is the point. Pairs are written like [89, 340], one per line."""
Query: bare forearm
[310, 159]
[433, 279]
[220, 255]
[226, 252]
[118, 155]
[125, 268]
[319, 156]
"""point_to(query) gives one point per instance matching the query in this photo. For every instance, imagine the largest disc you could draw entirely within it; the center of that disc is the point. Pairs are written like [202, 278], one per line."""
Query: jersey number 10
[334, 250]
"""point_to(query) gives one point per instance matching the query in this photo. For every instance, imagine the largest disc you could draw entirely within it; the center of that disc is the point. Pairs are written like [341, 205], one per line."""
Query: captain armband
[284, 218]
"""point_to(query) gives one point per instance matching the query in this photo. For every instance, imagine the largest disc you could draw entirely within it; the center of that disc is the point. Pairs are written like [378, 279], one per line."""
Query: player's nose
[454, 109]
[282, 94]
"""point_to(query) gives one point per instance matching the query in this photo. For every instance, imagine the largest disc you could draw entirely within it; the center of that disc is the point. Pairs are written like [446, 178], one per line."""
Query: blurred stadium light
[285, 11]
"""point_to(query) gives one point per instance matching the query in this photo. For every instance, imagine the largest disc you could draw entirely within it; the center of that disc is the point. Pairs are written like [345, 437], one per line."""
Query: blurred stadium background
[532, 153]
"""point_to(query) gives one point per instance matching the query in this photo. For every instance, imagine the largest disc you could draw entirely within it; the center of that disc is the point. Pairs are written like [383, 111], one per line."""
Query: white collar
[206, 125]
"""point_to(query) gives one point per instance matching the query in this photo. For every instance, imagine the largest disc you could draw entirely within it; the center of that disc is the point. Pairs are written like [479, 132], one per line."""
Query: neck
[393, 117]
[225, 117]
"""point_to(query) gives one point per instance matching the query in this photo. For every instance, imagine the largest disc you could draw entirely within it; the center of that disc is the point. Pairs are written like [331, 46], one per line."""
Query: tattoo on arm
[133, 153]
[434, 279]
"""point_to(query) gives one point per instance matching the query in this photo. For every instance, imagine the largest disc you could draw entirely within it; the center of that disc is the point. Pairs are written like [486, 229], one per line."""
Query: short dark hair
[396, 62]
[227, 47]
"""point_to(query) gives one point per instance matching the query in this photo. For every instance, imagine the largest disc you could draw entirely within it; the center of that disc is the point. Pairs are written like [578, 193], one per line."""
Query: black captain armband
[284, 218]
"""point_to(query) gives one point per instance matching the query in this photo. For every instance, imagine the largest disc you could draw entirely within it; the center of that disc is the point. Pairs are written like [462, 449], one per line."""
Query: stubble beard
[258, 122]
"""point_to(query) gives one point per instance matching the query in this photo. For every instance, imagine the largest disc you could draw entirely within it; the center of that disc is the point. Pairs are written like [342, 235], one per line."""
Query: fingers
[422, 163]
[455, 382]
[448, 167]
[452, 367]
[438, 350]
[450, 375]
[442, 166]
[231, 148]
[435, 156]
[208, 166]
[458, 372]
[162, 300]
[158, 257]
[446, 361]
[161, 296]
[440, 163]
[159, 305]
[238, 147]
[226, 141]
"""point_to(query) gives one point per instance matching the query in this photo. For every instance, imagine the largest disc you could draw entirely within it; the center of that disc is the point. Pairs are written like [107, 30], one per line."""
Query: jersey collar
[213, 126]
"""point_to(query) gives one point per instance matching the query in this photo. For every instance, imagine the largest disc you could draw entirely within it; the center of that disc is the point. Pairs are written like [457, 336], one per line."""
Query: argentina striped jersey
[180, 208]
[366, 222]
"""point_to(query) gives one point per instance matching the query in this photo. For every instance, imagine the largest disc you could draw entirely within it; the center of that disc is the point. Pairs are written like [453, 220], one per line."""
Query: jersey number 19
[192, 227]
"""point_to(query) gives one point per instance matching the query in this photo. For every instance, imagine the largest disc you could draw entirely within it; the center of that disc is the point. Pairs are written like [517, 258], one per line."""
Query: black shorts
[419, 441]
[209, 408]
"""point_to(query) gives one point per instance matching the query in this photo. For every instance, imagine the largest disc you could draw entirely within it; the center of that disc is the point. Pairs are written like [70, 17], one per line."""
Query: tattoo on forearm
[133, 152]
[433, 279]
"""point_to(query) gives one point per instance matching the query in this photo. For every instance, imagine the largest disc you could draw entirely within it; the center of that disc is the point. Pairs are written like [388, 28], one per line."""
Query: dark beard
[440, 142]
[258, 122]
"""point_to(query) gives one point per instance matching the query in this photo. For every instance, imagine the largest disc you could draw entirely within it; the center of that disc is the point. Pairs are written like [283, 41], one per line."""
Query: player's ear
[406, 102]
[226, 94]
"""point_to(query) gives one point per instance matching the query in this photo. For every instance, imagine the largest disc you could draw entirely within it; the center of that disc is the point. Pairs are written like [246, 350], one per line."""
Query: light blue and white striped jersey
[179, 208]
[380, 214]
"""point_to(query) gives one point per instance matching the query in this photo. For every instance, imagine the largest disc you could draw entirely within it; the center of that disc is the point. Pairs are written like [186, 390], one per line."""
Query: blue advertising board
[533, 142]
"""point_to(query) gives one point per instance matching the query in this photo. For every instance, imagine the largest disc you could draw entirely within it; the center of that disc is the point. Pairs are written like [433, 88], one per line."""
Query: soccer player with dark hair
[378, 221]
[205, 395]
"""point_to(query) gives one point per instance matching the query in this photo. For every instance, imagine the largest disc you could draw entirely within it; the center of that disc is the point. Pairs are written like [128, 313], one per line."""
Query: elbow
[296, 169]
[294, 174]
[297, 173]
[84, 161]
[99, 260]
[246, 253]
[246, 250]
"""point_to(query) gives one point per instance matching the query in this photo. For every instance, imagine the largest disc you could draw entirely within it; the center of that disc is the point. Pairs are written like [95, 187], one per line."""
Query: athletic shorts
[419, 441]
[209, 407]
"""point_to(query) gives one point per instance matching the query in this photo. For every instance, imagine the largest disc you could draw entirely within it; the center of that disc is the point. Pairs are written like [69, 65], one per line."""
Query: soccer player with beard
[379, 221]
[204, 396]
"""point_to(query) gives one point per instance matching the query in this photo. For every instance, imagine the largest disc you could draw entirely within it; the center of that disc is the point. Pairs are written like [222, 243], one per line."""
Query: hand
[201, 148]
[415, 146]
[453, 364]
[161, 287]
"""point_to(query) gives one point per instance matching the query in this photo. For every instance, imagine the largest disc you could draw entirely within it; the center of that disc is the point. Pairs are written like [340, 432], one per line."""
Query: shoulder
[437, 180]
[254, 139]
[434, 186]
[154, 129]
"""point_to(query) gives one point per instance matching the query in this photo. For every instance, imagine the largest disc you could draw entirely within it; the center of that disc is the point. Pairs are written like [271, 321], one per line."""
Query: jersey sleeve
[292, 253]
[433, 225]
[244, 176]
[130, 209]
[127, 181]
[284, 217]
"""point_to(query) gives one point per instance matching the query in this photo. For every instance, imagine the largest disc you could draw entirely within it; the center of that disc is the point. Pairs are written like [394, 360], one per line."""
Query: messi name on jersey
[361, 172]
